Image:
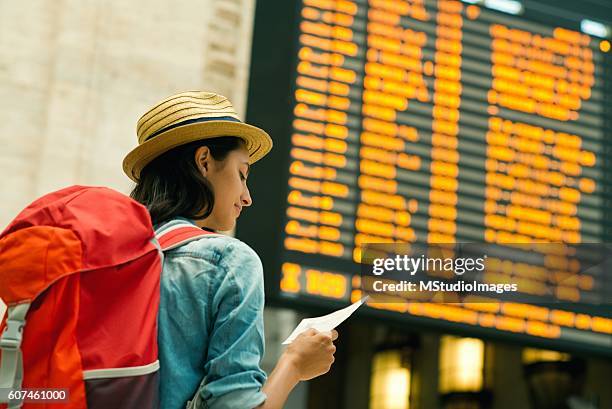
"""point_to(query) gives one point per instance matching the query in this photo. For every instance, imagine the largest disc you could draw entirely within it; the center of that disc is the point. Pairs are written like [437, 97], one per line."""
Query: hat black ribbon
[193, 121]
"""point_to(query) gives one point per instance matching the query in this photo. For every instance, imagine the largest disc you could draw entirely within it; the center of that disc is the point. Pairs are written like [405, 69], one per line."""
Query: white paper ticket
[325, 323]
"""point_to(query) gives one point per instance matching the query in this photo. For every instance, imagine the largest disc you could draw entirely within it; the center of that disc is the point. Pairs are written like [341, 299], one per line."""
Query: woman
[192, 165]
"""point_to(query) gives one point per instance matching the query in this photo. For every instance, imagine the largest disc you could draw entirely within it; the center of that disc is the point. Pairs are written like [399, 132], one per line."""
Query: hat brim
[257, 141]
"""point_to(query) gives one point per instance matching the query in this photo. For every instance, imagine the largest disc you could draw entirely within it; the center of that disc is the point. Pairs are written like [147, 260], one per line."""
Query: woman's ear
[202, 158]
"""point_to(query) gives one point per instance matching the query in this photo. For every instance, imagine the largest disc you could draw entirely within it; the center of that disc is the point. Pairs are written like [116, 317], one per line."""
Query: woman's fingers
[310, 332]
[324, 336]
[334, 335]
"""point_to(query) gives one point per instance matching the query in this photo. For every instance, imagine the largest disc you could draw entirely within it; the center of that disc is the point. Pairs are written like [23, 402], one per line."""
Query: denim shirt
[211, 334]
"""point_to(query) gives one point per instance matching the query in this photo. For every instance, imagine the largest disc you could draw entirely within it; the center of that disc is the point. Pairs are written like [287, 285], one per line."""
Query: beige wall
[75, 75]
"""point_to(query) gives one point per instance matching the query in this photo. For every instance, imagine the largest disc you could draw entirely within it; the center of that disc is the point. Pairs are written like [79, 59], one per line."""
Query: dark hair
[171, 185]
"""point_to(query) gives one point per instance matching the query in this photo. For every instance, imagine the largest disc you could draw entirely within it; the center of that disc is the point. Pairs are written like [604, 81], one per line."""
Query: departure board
[435, 121]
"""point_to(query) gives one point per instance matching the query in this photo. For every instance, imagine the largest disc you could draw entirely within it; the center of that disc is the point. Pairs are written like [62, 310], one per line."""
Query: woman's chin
[229, 226]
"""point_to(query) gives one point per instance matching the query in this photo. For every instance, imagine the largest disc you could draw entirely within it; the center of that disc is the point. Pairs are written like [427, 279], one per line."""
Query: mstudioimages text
[441, 286]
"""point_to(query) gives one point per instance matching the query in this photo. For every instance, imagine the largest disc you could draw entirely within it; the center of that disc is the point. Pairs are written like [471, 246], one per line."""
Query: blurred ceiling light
[505, 6]
[594, 28]
[532, 355]
[390, 381]
[461, 364]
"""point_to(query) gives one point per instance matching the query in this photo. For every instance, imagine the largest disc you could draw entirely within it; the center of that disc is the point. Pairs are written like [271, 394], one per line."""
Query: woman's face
[228, 179]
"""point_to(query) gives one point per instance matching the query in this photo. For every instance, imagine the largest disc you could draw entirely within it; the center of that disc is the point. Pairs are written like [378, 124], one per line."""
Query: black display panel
[431, 122]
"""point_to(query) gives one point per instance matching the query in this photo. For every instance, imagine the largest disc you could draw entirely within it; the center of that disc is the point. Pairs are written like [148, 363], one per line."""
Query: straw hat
[188, 117]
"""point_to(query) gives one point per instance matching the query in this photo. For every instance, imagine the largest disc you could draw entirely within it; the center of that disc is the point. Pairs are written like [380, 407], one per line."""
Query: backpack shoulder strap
[182, 233]
[11, 365]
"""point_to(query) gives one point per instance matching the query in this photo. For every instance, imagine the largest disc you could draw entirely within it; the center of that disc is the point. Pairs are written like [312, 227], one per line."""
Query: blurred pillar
[425, 363]
[507, 370]
[278, 324]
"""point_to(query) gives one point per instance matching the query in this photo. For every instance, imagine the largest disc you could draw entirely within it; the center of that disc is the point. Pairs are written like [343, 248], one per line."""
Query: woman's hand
[312, 353]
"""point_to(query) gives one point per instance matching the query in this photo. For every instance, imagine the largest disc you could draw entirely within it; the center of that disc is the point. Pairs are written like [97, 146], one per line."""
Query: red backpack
[80, 272]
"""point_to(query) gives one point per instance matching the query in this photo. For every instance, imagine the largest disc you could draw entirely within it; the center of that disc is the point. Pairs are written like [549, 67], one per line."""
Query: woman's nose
[246, 198]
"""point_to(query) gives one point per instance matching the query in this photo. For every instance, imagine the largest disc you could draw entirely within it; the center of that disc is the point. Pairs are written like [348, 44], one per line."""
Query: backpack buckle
[12, 335]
